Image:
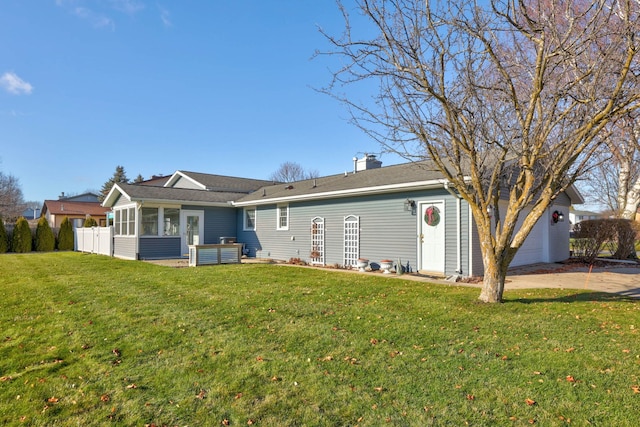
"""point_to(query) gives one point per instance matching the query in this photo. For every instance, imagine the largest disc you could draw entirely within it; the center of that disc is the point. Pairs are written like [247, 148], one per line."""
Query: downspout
[459, 226]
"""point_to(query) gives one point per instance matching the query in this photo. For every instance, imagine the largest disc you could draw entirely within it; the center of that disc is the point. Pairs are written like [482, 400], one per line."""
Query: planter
[362, 263]
[385, 266]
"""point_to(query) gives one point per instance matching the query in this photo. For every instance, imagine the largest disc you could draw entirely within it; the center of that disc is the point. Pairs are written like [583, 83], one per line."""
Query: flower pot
[362, 263]
[385, 266]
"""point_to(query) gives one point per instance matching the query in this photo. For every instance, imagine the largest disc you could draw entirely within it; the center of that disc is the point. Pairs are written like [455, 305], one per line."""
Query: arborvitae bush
[90, 222]
[21, 241]
[65, 235]
[4, 239]
[45, 239]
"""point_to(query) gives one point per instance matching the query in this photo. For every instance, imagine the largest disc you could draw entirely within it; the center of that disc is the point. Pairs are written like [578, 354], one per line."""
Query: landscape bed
[92, 340]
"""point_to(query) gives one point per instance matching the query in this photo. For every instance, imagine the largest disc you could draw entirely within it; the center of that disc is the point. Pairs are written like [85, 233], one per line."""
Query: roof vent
[369, 161]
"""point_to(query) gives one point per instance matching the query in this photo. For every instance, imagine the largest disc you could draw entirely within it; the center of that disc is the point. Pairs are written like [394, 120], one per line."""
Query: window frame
[124, 221]
[245, 212]
[279, 210]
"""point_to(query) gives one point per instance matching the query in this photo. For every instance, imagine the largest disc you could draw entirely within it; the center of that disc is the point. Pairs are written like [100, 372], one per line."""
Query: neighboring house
[85, 197]
[30, 213]
[56, 210]
[576, 216]
[404, 212]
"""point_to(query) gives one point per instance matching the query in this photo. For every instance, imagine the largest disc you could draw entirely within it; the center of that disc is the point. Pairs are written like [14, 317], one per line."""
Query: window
[116, 222]
[171, 222]
[125, 221]
[132, 221]
[149, 222]
[283, 217]
[250, 218]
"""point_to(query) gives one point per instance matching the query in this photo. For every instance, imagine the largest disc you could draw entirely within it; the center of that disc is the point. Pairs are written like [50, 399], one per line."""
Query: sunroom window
[149, 222]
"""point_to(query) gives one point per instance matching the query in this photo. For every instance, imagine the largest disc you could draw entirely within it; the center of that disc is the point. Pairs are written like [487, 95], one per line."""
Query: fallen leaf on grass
[132, 385]
[471, 397]
[202, 394]
[530, 402]
[225, 422]
[378, 389]
[635, 388]
[238, 396]
[53, 400]
[571, 379]
[105, 398]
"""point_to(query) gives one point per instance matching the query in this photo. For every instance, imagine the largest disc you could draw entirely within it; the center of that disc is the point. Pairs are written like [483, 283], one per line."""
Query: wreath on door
[432, 216]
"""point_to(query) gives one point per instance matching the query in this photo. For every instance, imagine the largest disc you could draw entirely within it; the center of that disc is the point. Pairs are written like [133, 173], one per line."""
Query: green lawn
[91, 340]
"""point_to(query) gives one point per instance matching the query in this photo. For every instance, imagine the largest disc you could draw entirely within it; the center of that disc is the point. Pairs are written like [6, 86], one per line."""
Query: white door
[192, 229]
[431, 241]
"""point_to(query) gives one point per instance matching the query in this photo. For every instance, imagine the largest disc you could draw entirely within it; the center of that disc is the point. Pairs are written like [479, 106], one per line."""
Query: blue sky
[222, 87]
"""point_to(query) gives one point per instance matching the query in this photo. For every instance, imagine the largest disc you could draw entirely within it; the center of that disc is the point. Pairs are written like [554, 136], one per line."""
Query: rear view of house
[407, 213]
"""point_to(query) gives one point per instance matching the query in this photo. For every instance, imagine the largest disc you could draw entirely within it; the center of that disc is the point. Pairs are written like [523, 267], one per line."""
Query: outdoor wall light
[409, 205]
[557, 216]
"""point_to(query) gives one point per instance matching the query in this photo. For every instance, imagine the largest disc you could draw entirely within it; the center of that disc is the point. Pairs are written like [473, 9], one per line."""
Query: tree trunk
[495, 274]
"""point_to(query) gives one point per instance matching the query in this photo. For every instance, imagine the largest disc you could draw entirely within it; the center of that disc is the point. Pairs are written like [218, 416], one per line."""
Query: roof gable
[209, 182]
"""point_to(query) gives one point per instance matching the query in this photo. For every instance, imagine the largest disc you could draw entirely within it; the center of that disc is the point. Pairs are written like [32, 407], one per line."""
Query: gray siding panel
[218, 222]
[124, 247]
[159, 247]
[386, 229]
[185, 183]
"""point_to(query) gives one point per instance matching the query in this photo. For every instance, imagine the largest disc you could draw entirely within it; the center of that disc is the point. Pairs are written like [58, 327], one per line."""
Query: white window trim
[135, 221]
[244, 218]
[279, 209]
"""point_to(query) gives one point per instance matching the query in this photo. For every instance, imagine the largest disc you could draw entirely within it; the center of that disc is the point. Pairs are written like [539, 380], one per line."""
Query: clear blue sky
[222, 87]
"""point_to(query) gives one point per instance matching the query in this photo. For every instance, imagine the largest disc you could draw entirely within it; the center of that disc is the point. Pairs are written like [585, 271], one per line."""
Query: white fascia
[382, 189]
[107, 202]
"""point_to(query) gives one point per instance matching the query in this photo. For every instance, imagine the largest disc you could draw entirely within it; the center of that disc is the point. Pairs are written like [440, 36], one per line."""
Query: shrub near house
[4, 239]
[65, 236]
[45, 239]
[21, 241]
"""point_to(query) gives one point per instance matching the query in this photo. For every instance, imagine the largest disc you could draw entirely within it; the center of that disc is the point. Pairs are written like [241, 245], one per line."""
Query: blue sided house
[403, 212]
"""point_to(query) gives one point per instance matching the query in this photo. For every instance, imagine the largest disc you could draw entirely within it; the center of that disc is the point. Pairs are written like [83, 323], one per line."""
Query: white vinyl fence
[95, 240]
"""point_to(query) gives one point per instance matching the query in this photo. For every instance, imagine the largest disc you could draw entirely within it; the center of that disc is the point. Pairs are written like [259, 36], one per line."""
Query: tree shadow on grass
[631, 295]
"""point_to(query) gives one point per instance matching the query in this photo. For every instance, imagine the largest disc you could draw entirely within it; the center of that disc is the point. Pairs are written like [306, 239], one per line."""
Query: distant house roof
[156, 180]
[85, 197]
[66, 207]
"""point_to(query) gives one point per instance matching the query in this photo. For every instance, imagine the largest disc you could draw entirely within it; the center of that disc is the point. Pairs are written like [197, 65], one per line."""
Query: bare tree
[291, 171]
[613, 180]
[11, 199]
[508, 99]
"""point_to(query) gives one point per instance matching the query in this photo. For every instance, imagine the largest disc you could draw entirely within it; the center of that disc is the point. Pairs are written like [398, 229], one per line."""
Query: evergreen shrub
[45, 239]
[65, 235]
[22, 240]
[4, 238]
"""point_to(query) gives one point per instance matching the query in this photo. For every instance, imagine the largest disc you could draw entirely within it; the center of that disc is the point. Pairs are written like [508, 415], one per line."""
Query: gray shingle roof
[226, 183]
[147, 192]
[419, 172]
